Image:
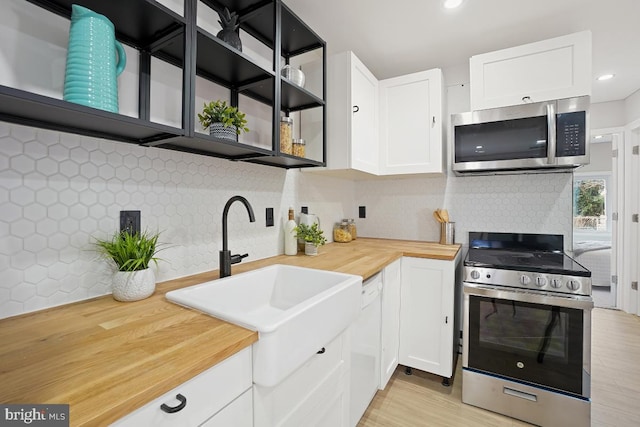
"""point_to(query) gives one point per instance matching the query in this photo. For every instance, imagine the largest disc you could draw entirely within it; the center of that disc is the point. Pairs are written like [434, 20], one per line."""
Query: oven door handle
[540, 297]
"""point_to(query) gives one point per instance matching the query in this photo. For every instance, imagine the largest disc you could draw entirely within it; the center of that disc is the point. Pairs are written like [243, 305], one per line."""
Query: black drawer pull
[173, 409]
[321, 351]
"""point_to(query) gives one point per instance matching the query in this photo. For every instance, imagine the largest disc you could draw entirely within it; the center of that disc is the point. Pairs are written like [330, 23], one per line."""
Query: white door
[411, 124]
[364, 122]
[426, 315]
[390, 322]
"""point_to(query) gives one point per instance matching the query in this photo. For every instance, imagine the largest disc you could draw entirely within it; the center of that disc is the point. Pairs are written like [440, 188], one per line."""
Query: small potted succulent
[223, 120]
[131, 253]
[312, 236]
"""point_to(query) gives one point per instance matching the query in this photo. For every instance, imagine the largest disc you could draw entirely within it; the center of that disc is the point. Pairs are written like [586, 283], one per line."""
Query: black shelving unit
[155, 30]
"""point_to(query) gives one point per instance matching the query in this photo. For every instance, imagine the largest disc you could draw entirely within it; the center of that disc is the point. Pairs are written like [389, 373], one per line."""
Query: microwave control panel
[571, 134]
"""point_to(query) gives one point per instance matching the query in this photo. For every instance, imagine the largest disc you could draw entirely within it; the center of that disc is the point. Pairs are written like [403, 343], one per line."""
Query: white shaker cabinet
[411, 124]
[427, 315]
[390, 323]
[550, 69]
[223, 391]
[352, 115]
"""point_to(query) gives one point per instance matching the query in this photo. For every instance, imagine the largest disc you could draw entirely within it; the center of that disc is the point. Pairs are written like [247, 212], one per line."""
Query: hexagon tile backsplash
[58, 191]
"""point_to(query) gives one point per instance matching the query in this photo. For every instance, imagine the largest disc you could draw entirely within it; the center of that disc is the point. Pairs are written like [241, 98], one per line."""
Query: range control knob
[475, 275]
[556, 283]
[525, 280]
[573, 285]
[541, 281]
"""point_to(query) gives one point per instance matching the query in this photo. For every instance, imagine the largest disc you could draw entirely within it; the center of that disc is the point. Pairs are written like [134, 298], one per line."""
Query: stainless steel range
[527, 329]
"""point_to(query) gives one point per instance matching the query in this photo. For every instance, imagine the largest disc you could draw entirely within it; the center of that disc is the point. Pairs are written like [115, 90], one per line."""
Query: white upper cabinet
[411, 124]
[550, 69]
[352, 115]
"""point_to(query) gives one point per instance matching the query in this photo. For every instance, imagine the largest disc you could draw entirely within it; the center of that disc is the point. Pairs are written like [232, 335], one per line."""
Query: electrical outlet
[362, 212]
[304, 210]
[130, 222]
[269, 217]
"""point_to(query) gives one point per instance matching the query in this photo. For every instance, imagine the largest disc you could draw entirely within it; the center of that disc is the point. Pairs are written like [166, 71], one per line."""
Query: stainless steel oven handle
[551, 137]
[539, 297]
[521, 394]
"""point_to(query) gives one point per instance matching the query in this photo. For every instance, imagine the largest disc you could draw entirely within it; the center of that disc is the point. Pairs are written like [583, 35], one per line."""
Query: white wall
[632, 107]
[607, 115]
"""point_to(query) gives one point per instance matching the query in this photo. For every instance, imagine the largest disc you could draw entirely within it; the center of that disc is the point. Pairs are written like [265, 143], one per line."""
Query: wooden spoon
[444, 214]
[436, 215]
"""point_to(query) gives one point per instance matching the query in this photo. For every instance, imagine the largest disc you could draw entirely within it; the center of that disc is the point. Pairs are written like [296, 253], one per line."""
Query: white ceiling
[397, 37]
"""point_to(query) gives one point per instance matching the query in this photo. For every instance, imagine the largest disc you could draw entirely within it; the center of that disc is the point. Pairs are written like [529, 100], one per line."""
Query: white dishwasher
[365, 350]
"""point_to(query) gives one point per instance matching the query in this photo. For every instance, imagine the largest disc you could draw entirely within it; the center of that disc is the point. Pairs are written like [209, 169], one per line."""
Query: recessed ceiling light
[605, 77]
[452, 4]
[598, 137]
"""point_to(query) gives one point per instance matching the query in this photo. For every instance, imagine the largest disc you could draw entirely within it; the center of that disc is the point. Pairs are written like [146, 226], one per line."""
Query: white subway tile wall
[58, 191]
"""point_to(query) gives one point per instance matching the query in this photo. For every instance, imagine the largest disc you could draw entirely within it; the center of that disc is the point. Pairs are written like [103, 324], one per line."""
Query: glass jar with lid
[299, 147]
[341, 232]
[352, 228]
[286, 135]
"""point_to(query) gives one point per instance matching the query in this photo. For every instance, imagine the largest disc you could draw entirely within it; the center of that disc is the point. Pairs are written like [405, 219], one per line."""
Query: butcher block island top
[107, 358]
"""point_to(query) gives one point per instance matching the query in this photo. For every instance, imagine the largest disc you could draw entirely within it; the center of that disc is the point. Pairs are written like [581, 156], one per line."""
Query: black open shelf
[155, 30]
[27, 108]
[257, 20]
[223, 64]
[286, 161]
[138, 23]
[208, 145]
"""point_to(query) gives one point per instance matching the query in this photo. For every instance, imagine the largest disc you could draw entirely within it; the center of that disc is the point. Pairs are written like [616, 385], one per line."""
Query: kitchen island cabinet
[429, 317]
[543, 71]
[107, 359]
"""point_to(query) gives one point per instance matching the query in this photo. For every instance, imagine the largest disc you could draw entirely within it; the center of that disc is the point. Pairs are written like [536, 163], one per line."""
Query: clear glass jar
[352, 228]
[341, 232]
[286, 135]
[299, 147]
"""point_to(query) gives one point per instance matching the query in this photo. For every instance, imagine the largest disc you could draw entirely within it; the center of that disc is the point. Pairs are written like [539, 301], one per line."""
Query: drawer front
[238, 413]
[205, 394]
[274, 404]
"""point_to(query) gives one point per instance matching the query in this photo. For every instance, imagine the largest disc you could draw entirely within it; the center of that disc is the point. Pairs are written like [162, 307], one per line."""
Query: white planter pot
[133, 285]
[310, 249]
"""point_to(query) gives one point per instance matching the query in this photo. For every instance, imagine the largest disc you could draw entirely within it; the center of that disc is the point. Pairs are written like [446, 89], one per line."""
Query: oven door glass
[536, 343]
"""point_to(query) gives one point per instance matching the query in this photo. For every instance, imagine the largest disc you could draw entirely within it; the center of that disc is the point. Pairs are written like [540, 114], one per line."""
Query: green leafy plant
[310, 234]
[220, 112]
[130, 252]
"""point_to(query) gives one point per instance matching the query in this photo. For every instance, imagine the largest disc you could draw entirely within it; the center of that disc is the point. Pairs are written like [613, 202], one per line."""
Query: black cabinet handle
[356, 108]
[173, 409]
[321, 351]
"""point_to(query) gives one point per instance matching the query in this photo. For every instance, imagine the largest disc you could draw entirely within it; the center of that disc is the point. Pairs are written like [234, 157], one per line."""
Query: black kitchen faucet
[226, 259]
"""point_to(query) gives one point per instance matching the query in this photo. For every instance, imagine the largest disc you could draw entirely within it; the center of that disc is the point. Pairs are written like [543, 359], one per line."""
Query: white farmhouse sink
[295, 310]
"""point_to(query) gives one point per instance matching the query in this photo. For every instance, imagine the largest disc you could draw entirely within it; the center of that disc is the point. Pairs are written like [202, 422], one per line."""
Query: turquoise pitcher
[92, 68]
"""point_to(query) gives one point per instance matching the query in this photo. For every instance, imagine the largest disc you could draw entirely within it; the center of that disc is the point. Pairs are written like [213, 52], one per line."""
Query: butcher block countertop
[107, 358]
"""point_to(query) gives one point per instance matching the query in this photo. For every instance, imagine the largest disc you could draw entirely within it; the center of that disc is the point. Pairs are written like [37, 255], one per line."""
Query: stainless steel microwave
[540, 137]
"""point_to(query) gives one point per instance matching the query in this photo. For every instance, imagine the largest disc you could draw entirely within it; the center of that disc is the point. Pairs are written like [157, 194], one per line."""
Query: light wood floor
[421, 400]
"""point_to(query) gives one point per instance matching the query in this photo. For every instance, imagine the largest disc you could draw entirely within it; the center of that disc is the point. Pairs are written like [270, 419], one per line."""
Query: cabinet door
[364, 118]
[411, 125]
[546, 70]
[238, 413]
[426, 315]
[390, 322]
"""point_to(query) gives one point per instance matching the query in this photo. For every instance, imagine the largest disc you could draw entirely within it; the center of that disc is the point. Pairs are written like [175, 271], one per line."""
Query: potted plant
[313, 237]
[222, 120]
[131, 253]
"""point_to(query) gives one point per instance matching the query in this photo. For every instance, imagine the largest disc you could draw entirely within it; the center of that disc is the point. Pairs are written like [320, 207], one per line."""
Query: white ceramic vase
[310, 249]
[133, 285]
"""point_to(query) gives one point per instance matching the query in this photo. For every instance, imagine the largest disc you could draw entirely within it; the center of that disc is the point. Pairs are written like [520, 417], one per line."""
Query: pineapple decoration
[228, 34]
